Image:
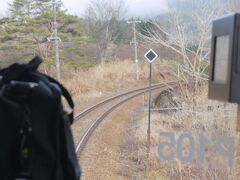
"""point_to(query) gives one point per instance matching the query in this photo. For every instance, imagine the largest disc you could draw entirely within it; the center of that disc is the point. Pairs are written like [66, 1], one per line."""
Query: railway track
[113, 102]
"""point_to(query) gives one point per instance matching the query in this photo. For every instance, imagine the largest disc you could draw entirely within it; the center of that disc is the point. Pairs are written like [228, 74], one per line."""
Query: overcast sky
[137, 8]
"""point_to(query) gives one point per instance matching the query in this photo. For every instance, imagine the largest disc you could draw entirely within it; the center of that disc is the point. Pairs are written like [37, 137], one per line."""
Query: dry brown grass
[100, 80]
[209, 117]
[104, 79]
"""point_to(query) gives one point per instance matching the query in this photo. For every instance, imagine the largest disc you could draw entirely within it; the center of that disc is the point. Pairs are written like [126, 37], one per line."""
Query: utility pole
[149, 109]
[56, 40]
[135, 43]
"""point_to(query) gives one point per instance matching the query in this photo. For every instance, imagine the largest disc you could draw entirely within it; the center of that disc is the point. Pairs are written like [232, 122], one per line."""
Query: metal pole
[56, 41]
[135, 49]
[149, 109]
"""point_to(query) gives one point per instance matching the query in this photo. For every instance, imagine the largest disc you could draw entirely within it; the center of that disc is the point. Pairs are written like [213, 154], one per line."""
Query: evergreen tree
[30, 26]
[19, 9]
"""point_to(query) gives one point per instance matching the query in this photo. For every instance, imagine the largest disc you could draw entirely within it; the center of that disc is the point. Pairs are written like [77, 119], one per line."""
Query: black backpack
[35, 137]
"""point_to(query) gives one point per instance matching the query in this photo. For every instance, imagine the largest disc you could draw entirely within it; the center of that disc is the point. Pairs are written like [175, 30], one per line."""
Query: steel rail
[88, 110]
[95, 124]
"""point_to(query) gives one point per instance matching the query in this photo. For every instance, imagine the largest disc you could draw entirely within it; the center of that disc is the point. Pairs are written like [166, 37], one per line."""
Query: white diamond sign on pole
[151, 56]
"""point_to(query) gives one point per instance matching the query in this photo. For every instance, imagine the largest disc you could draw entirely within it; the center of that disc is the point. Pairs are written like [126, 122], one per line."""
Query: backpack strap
[16, 70]
[66, 95]
[34, 63]
[24, 134]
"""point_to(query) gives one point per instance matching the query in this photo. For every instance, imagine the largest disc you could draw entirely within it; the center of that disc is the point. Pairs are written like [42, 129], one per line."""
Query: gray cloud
[146, 7]
[136, 8]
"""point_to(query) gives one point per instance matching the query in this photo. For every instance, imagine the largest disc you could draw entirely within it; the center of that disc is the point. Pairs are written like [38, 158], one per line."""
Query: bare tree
[234, 5]
[189, 36]
[101, 21]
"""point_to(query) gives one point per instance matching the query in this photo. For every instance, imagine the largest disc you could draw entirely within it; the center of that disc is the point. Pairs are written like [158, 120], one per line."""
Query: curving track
[109, 106]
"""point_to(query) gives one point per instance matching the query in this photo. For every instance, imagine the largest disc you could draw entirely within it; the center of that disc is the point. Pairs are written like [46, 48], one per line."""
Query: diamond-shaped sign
[151, 56]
